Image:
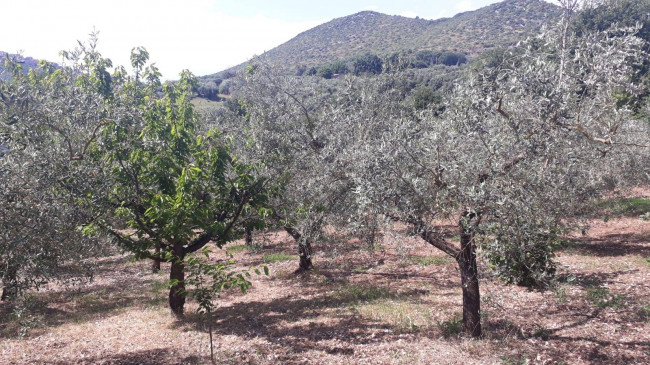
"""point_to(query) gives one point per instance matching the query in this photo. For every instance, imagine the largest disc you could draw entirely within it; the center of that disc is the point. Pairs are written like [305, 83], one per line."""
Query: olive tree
[521, 147]
[289, 125]
[49, 118]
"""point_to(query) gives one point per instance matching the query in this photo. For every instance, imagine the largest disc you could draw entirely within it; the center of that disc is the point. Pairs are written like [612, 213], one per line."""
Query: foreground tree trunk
[304, 250]
[466, 259]
[177, 277]
[469, 275]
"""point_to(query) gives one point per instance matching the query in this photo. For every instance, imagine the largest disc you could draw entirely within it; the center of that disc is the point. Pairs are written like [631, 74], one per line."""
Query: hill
[471, 33]
[27, 63]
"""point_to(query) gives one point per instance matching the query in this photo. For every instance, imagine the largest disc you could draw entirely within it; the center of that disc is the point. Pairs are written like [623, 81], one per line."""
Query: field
[397, 302]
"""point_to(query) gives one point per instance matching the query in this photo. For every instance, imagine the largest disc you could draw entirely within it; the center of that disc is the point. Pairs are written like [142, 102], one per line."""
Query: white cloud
[409, 14]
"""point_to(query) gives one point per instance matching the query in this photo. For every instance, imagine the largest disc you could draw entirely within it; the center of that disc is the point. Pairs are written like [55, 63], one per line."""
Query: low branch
[293, 232]
[430, 235]
[501, 111]
[203, 239]
[133, 245]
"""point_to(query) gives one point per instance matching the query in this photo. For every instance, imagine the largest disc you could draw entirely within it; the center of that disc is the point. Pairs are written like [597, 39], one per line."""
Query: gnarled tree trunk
[466, 259]
[304, 250]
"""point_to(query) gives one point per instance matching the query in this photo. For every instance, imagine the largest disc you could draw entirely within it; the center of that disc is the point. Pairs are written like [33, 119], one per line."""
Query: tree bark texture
[155, 263]
[249, 236]
[304, 250]
[469, 275]
[177, 276]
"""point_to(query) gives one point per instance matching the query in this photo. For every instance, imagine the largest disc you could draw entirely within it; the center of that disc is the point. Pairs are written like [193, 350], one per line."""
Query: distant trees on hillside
[335, 68]
[367, 64]
[373, 64]
[209, 88]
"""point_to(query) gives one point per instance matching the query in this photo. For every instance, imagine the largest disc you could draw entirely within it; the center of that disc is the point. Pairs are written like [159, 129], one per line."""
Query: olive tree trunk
[248, 236]
[469, 275]
[304, 250]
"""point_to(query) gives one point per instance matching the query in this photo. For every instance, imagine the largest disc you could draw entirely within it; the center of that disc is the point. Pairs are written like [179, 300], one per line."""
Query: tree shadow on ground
[612, 245]
[155, 356]
[84, 303]
[591, 348]
[574, 340]
[591, 280]
[294, 325]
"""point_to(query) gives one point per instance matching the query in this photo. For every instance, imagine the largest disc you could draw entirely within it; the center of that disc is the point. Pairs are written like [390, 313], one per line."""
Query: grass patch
[237, 248]
[514, 360]
[430, 260]
[452, 327]
[353, 293]
[278, 257]
[625, 206]
[159, 287]
[602, 298]
[399, 314]
[90, 300]
[205, 105]
[360, 269]
[560, 295]
[542, 333]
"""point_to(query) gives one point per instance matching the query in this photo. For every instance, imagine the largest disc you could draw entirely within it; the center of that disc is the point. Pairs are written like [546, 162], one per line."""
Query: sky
[204, 36]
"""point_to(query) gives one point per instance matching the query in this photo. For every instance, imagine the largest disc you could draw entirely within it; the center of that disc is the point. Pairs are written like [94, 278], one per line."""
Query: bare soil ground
[398, 302]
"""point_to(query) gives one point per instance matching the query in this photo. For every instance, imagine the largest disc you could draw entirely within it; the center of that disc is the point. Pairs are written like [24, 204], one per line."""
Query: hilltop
[471, 33]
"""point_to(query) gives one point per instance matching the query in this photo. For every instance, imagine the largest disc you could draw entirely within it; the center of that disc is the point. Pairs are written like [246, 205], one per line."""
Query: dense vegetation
[514, 153]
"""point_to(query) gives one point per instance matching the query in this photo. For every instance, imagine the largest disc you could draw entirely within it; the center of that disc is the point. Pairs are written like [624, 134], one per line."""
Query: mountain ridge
[472, 32]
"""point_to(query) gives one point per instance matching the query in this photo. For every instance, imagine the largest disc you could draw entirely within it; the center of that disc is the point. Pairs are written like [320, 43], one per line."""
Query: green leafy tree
[335, 68]
[368, 63]
[175, 187]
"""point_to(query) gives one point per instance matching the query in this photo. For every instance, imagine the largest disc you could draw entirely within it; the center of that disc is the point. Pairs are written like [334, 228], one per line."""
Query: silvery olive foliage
[295, 126]
[522, 148]
[525, 143]
[49, 118]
